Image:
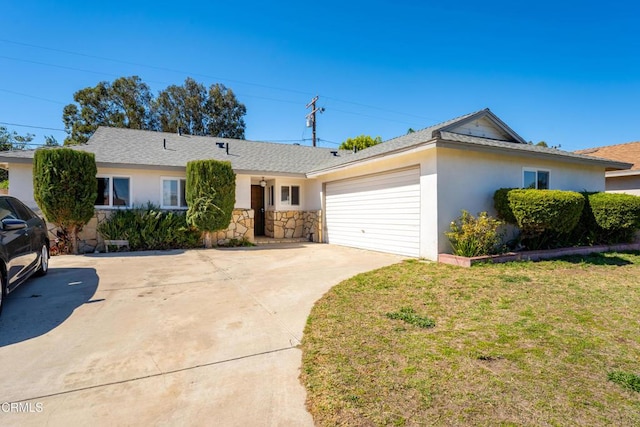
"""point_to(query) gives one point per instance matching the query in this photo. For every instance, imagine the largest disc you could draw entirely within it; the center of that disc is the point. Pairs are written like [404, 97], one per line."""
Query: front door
[257, 204]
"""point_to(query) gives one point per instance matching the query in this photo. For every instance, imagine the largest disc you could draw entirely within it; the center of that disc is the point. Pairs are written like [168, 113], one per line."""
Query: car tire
[44, 261]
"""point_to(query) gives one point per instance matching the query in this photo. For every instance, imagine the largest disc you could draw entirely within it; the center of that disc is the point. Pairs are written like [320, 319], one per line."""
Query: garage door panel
[379, 212]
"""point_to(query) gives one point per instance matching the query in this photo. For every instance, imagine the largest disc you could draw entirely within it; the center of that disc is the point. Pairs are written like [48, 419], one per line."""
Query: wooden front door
[257, 204]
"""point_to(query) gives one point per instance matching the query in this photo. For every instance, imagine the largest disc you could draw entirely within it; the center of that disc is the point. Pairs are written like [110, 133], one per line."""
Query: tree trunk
[74, 240]
[207, 240]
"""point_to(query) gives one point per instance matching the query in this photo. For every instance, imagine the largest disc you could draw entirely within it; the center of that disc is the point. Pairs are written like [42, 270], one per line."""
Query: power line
[32, 127]
[200, 74]
[31, 96]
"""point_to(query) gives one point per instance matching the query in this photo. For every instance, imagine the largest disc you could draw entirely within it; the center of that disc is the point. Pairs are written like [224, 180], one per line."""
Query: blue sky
[566, 72]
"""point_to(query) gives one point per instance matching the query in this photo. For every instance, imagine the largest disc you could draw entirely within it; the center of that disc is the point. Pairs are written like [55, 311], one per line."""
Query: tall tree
[197, 111]
[360, 142]
[11, 140]
[183, 108]
[125, 103]
[226, 113]
[128, 103]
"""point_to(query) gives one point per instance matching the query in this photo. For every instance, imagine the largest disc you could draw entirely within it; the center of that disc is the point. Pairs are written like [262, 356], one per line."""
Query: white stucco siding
[21, 183]
[623, 184]
[467, 180]
[243, 191]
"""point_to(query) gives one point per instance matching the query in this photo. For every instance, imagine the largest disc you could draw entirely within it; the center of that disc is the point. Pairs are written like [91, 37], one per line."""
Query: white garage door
[379, 212]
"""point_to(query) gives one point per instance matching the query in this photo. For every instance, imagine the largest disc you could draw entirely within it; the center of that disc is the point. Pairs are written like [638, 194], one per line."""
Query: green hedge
[539, 211]
[501, 204]
[149, 228]
[616, 211]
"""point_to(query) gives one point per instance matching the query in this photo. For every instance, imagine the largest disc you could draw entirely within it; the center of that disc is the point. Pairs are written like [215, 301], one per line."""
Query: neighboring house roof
[481, 130]
[629, 153]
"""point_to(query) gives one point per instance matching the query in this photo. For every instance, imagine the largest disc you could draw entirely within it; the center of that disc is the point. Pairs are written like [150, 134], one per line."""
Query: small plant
[474, 236]
[4, 185]
[625, 379]
[409, 315]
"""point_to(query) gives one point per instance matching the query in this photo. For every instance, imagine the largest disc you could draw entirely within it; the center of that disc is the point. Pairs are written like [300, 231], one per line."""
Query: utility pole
[311, 117]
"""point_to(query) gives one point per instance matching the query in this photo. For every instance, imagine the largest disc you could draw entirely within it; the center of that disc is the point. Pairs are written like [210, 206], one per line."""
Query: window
[290, 195]
[113, 192]
[173, 193]
[284, 195]
[535, 179]
[271, 195]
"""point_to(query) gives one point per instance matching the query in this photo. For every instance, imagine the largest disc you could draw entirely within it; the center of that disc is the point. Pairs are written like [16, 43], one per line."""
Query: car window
[6, 210]
[24, 213]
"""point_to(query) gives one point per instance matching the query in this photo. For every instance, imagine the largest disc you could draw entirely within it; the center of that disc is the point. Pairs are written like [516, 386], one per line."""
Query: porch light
[263, 183]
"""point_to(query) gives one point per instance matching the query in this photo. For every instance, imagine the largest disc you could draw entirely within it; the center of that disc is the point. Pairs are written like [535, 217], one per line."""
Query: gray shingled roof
[439, 133]
[139, 148]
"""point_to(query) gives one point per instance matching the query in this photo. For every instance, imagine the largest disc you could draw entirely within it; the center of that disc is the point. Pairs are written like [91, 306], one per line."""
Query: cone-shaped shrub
[65, 187]
[210, 194]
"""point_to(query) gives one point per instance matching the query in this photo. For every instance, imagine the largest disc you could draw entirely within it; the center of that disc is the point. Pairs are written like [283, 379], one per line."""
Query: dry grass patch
[528, 344]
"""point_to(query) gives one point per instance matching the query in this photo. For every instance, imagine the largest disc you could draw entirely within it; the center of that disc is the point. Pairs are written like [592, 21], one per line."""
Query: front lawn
[534, 344]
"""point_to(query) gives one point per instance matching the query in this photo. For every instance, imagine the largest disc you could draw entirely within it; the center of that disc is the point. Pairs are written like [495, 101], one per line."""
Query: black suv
[24, 245]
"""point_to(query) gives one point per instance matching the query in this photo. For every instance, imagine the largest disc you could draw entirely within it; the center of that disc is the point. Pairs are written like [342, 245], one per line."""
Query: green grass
[514, 344]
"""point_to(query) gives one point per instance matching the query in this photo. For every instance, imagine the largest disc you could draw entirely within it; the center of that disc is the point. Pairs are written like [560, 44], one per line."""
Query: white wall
[21, 183]
[624, 184]
[467, 180]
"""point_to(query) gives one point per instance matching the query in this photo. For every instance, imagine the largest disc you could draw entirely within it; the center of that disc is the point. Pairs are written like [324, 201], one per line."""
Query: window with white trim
[271, 197]
[290, 195]
[113, 191]
[173, 193]
[537, 179]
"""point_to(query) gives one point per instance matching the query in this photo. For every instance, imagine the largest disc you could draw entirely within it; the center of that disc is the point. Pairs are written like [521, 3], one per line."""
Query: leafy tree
[542, 144]
[11, 140]
[128, 103]
[50, 141]
[182, 107]
[360, 142]
[197, 111]
[226, 113]
[211, 196]
[65, 188]
[125, 103]
[410, 130]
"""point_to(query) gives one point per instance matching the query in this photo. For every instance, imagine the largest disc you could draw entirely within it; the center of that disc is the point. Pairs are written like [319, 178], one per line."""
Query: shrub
[65, 188]
[616, 211]
[501, 204]
[149, 228]
[211, 195]
[471, 236]
[539, 211]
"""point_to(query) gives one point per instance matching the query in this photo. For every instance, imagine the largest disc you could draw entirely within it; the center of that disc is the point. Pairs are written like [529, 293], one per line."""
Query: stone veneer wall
[241, 227]
[294, 224]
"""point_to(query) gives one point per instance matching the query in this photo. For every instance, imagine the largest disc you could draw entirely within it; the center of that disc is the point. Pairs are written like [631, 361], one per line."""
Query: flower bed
[535, 255]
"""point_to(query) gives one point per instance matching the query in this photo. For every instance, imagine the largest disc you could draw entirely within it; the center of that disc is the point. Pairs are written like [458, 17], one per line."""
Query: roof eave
[622, 173]
[607, 164]
[319, 172]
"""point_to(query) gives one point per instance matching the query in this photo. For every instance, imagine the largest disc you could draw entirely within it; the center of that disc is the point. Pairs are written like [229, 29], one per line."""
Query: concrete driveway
[201, 337]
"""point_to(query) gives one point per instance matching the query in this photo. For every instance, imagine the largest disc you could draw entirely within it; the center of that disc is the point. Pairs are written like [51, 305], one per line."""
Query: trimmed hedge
[616, 211]
[538, 211]
[501, 204]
